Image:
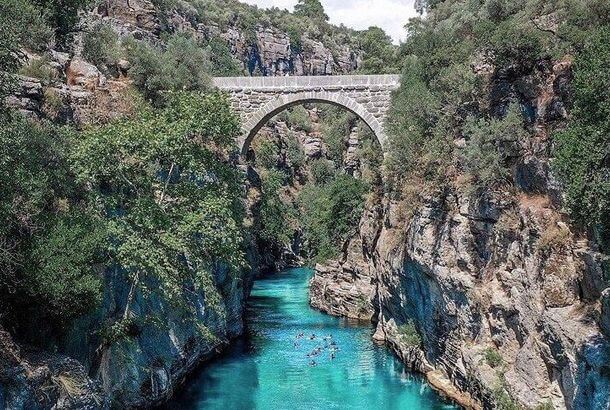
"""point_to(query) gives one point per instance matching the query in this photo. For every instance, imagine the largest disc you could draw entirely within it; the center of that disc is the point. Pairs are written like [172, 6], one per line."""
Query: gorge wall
[85, 368]
[495, 297]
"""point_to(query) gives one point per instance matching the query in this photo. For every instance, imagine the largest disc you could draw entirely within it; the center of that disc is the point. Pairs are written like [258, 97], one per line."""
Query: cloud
[391, 15]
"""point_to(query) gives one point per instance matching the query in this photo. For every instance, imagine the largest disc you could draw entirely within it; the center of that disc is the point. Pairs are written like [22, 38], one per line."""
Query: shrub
[267, 154]
[380, 55]
[408, 334]
[182, 66]
[322, 171]
[493, 357]
[330, 214]
[101, 45]
[581, 154]
[297, 118]
[275, 214]
[53, 102]
[39, 68]
[223, 63]
[294, 153]
[64, 260]
[490, 143]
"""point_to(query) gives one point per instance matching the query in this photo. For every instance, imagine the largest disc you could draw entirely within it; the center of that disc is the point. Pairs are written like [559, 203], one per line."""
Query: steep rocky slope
[95, 368]
[503, 293]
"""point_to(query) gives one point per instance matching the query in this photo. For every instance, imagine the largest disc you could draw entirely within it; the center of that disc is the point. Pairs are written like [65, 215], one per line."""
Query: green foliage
[173, 206]
[582, 155]
[380, 55]
[64, 260]
[336, 125]
[294, 153]
[22, 26]
[48, 240]
[296, 118]
[322, 171]
[409, 335]
[503, 400]
[38, 68]
[267, 154]
[183, 65]
[493, 357]
[490, 143]
[310, 8]
[223, 63]
[418, 145]
[101, 45]
[275, 214]
[296, 39]
[330, 214]
[547, 405]
[62, 15]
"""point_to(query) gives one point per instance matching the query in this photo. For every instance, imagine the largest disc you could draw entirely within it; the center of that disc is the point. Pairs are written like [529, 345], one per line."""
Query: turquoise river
[269, 368]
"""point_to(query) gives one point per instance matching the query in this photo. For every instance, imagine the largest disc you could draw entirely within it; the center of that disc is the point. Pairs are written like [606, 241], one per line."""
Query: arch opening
[284, 102]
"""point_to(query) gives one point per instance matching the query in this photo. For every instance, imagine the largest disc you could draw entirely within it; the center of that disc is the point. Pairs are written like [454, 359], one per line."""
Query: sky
[390, 15]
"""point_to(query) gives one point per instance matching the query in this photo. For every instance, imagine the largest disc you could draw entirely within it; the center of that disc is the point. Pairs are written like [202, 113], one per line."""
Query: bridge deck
[307, 82]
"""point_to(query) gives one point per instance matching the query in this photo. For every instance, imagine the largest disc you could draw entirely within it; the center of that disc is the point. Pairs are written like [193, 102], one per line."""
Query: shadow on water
[272, 367]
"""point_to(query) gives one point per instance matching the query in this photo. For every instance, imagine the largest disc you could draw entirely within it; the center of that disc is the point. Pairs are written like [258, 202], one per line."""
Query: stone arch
[284, 101]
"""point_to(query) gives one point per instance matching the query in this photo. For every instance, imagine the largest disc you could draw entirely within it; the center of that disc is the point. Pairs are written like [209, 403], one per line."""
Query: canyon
[496, 296]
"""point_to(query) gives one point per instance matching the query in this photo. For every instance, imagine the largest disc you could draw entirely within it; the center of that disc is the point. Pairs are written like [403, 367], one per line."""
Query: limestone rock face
[488, 275]
[28, 98]
[25, 374]
[84, 74]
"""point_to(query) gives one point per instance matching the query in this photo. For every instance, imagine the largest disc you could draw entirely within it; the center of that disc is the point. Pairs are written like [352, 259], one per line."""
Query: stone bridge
[258, 99]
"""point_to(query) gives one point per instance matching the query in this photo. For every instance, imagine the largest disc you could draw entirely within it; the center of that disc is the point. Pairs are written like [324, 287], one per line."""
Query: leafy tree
[64, 273]
[182, 66]
[380, 55]
[173, 206]
[223, 63]
[583, 149]
[275, 214]
[62, 14]
[312, 9]
[101, 45]
[330, 214]
[48, 240]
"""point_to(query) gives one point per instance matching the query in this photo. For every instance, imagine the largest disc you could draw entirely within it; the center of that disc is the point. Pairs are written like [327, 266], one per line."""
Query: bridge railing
[228, 83]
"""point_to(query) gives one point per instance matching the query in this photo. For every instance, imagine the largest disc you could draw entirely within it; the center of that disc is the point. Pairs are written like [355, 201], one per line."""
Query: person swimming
[312, 363]
[312, 337]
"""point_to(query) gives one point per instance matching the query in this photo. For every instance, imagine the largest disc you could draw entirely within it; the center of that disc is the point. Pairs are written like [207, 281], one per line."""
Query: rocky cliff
[98, 366]
[493, 295]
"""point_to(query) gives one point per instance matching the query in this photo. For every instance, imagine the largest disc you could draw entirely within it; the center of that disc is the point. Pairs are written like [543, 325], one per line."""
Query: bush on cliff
[48, 240]
[182, 65]
[330, 214]
[583, 149]
[461, 65]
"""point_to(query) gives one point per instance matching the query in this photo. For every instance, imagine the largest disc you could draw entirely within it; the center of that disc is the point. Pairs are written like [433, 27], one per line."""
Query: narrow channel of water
[269, 368]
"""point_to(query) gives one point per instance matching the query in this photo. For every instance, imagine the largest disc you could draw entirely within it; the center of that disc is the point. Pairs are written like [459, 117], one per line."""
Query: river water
[269, 367]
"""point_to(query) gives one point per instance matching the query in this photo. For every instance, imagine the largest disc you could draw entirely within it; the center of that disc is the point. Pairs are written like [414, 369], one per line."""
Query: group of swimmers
[329, 344]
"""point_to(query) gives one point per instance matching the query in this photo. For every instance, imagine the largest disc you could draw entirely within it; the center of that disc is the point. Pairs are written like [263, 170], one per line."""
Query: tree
[380, 55]
[22, 27]
[583, 149]
[312, 9]
[173, 205]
